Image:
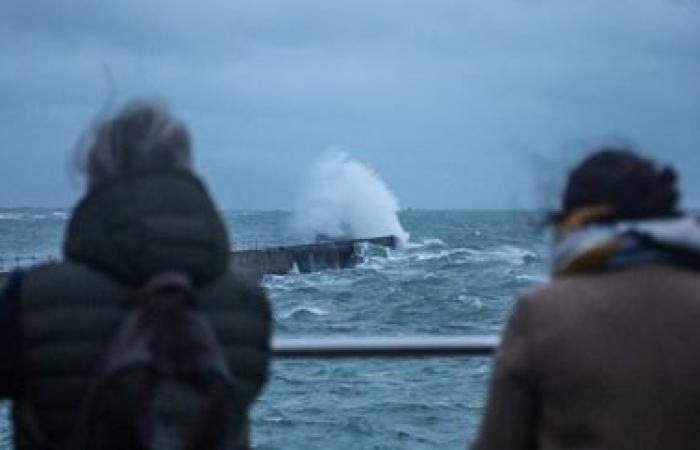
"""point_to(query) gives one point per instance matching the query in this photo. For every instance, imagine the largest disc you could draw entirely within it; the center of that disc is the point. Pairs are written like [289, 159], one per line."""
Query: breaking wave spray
[343, 197]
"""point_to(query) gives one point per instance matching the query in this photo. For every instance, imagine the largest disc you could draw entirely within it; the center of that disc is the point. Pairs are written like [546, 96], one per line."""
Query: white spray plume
[342, 197]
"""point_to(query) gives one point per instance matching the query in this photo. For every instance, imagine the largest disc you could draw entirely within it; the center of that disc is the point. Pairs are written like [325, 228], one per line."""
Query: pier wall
[336, 254]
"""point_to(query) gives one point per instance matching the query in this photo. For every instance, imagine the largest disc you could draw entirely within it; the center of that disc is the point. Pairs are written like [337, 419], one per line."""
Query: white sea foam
[305, 281]
[412, 252]
[513, 254]
[303, 311]
[372, 264]
[506, 253]
[342, 197]
[537, 278]
[11, 216]
[433, 242]
[428, 256]
[471, 300]
[436, 250]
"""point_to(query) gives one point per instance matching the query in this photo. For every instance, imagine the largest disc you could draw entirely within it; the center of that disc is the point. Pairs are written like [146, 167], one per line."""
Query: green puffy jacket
[121, 234]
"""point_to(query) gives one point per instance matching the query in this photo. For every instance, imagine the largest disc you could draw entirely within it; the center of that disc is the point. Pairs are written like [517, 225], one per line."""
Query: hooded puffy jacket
[121, 234]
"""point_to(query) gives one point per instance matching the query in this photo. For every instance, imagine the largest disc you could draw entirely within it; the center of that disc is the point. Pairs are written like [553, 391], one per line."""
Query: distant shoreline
[290, 211]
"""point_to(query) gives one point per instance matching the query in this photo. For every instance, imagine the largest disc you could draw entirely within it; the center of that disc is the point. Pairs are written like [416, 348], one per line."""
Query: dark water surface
[458, 274]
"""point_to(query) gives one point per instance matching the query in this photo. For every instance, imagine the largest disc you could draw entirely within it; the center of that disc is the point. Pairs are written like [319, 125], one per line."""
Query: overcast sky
[455, 103]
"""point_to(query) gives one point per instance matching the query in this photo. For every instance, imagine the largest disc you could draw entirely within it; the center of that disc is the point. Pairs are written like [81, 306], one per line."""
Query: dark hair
[632, 187]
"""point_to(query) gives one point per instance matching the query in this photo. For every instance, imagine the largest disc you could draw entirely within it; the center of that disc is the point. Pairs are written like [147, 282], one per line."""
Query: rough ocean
[458, 273]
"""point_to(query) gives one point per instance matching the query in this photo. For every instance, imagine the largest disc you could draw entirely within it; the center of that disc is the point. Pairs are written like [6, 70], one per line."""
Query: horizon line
[290, 210]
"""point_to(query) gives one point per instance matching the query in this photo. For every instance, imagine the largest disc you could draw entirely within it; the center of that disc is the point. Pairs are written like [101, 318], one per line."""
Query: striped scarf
[596, 247]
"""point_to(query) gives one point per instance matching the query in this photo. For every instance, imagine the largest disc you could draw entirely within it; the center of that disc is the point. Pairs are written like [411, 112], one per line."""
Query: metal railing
[384, 347]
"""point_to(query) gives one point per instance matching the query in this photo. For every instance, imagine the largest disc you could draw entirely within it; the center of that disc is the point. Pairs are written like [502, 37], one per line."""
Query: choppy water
[458, 275]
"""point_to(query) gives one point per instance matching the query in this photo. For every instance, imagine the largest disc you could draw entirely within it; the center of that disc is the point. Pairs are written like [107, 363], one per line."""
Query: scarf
[596, 247]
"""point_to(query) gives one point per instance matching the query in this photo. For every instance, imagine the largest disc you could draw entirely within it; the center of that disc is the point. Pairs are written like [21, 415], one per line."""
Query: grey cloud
[440, 97]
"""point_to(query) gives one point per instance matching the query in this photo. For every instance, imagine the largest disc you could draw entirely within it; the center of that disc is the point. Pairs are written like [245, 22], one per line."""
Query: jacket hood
[149, 222]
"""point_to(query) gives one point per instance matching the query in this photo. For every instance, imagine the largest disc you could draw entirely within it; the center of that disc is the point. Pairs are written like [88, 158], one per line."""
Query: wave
[505, 253]
[471, 300]
[343, 197]
[61, 215]
[419, 262]
[11, 216]
[436, 249]
[434, 242]
[303, 311]
[538, 278]
[292, 281]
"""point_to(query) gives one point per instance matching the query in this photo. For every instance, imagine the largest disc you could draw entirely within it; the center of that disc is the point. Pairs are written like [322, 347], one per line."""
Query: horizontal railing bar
[403, 346]
[380, 346]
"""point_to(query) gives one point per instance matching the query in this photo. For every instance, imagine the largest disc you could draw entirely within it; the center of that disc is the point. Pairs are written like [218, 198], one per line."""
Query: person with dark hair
[143, 336]
[604, 356]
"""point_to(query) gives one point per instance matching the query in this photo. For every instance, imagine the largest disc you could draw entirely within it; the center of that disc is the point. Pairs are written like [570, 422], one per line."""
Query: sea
[458, 274]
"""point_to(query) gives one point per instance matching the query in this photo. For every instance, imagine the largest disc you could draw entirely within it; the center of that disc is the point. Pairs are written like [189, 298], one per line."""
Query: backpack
[164, 383]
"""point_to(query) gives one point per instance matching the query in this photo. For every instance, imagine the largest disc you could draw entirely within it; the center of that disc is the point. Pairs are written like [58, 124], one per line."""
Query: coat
[606, 360]
[121, 234]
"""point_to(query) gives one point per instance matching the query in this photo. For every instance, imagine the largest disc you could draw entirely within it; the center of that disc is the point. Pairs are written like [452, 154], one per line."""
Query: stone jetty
[330, 254]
